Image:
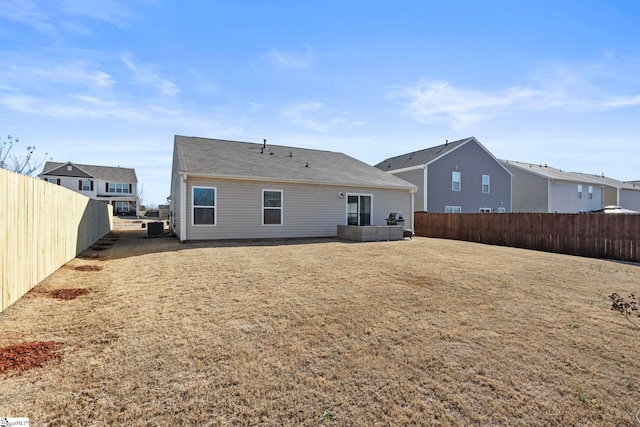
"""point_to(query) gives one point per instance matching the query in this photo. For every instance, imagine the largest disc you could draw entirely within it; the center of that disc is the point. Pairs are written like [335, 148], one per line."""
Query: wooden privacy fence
[610, 236]
[42, 226]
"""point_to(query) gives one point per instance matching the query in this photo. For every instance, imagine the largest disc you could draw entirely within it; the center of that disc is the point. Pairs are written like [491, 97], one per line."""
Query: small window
[54, 181]
[486, 183]
[85, 185]
[579, 191]
[117, 187]
[69, 168]
[485, 210]
[455, 181]
[590, 192]
[271, 207]
[122, 207]
[452, 209]
[502, 210]
[204, 206]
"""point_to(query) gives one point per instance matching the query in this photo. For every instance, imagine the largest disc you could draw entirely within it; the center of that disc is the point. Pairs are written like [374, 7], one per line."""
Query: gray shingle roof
[245, 160]
[106, 173]
[577, 177]
[421, 157]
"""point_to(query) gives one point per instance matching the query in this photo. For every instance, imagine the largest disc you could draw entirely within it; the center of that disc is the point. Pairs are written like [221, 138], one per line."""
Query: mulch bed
[87, 268]
[28, 355]
[68, 294]
[90, 256]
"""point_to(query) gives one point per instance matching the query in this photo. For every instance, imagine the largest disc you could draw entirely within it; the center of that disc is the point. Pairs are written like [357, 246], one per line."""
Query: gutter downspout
[183, 207]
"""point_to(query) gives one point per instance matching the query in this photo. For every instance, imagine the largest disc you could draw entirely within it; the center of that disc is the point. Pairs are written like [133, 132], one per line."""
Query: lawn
[324, 332]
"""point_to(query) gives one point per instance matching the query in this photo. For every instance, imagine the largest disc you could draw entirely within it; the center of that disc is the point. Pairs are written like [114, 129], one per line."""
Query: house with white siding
[114, 185]
[241, 190]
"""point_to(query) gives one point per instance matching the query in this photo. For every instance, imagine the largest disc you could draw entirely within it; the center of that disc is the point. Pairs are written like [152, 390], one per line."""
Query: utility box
[155, 229]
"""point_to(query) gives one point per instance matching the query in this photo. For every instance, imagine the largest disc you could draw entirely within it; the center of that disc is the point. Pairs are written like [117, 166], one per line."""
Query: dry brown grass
[323, 332]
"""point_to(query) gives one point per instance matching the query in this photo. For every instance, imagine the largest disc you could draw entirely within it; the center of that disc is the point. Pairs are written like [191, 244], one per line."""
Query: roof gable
[105, 173]
[430, 155]
[245, 160]
[420, 157]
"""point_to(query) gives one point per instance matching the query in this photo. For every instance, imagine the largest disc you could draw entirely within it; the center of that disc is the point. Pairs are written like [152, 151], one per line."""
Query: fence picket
[42, 226]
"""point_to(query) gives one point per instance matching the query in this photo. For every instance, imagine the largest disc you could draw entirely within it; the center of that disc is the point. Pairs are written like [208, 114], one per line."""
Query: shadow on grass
[120, 244]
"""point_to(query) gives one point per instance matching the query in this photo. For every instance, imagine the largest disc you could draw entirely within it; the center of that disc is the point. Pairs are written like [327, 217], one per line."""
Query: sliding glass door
[358, 209]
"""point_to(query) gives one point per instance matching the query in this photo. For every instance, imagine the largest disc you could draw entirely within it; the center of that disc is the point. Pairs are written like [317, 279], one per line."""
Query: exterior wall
[530, 191]
[72, 184]
[416, 177]
[473, 162]
[630, 199]
[611, 196]
[308, 210]
[175, 215]
[563, 198]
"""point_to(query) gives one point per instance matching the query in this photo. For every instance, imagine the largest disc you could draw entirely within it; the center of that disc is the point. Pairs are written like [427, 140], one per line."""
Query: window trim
[579, 191]
[214, 207]
[281, 207]
[485, 210]
[453, 181]
[453, 209]
[502, 210]
[591, 192]
[488, 184]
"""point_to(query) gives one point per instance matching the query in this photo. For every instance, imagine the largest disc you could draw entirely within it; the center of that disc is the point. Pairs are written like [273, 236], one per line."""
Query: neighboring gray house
[618, 193]
[541, 188]
[459, 176]
[114, 185]
[240, 190]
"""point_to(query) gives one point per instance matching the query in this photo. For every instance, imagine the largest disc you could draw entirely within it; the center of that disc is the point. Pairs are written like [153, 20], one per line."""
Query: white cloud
[115, 12]
[146, 74]
[313, 116]
[284, 59]
[28, 13]
[589, 87]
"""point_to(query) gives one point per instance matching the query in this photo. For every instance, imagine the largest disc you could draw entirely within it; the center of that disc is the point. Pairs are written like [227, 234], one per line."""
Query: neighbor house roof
[105, 173]
[420, 157]
[245, 160]
[577, 177]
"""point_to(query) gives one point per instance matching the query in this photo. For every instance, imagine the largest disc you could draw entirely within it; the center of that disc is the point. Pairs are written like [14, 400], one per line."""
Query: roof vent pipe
[290, 153]
[264, 145]
[307, 165]
[446, 142]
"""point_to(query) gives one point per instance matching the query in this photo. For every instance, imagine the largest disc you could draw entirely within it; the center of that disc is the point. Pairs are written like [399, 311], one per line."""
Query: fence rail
[610, 236]
[42, 226]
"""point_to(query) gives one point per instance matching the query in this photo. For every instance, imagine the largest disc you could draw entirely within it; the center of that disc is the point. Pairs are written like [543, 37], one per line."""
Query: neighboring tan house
[541, 188]
[114, 185]
[460, 176]
[240, 190]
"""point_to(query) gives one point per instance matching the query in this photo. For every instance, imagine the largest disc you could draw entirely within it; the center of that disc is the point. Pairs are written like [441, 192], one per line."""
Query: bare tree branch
[27, 164]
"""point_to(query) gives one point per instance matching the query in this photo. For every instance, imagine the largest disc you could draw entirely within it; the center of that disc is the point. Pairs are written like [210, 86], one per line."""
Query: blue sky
[109, 82]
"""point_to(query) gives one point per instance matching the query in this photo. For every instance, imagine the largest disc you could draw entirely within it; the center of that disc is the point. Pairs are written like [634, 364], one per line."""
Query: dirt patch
[68, 294]
[87, 268]
[28, 355]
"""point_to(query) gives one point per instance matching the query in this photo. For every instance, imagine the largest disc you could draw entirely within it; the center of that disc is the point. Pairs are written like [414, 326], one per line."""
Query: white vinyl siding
[309, 210]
